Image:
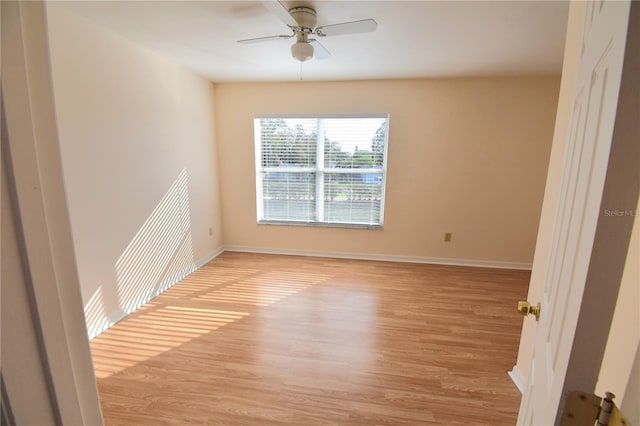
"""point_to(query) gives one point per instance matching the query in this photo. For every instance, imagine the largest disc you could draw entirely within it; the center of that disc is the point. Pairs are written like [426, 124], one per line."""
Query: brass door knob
[525, 308]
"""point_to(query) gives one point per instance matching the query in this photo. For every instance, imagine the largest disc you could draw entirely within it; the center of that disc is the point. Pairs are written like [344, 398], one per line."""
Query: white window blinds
[321, 170]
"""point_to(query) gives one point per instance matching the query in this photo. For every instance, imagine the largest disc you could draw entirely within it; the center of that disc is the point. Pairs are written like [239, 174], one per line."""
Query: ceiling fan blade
[319, 51]
[353, 27]
[281, 12]
[261, 39]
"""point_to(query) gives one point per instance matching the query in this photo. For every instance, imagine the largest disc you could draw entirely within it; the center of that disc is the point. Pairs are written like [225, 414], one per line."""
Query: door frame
[31, 151]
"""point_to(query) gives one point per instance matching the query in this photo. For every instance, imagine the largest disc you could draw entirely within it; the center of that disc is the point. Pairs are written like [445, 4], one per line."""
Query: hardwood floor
[262, 339]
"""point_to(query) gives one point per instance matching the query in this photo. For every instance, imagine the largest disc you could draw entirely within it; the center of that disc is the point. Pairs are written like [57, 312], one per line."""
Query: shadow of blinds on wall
[161, 252]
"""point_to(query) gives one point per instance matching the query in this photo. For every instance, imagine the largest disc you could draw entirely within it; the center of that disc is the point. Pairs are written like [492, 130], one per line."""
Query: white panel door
[594, 105]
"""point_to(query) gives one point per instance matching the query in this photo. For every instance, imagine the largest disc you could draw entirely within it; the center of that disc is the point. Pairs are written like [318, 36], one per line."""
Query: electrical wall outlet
[210, 231]
[447, 237]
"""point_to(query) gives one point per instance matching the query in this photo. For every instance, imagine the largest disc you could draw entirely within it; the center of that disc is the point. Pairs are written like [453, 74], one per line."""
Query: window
[321, 170]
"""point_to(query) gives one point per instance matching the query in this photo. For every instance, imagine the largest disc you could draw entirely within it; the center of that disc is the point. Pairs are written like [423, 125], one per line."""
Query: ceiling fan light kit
[302, 51]
[302, 22]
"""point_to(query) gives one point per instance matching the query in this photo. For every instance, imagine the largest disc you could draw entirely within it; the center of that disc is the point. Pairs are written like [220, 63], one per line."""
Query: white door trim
[43, 228]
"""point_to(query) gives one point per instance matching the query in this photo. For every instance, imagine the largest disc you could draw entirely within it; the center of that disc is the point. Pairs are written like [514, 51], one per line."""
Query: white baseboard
[208, 258]
[116, 316]
[384, 257]
[518, 378]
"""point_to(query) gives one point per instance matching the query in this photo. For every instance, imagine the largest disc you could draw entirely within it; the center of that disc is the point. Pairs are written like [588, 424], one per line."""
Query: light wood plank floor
[261, 339]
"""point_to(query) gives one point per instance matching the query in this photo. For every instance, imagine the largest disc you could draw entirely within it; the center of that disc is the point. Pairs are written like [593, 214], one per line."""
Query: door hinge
[585, 409]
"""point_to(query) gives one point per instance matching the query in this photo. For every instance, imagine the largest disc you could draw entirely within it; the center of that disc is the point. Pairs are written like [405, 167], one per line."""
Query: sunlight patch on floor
[265, 289]
[205, 279]
[153, 331]
[162, 325]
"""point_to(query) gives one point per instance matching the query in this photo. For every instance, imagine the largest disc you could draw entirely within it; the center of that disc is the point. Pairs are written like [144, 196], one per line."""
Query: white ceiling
[414, 38]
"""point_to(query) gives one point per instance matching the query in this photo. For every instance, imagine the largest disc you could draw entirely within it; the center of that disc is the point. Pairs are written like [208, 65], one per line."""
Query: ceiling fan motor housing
[305, 17]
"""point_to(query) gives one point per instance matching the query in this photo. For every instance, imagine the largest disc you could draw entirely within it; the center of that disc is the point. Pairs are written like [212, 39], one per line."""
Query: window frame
[319, 170]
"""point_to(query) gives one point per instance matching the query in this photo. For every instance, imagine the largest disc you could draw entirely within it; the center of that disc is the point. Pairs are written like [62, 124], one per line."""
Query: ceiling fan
[302, 22]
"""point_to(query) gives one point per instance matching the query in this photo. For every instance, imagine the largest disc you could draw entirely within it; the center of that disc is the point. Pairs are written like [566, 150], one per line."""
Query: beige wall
[139, 156]
[466, 156]
[552, 187]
